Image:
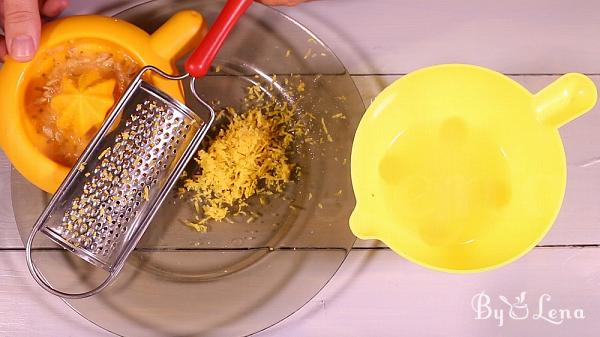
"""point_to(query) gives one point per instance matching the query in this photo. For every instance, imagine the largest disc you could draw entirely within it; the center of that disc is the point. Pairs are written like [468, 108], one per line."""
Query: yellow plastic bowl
[459, 168]
[177, 36]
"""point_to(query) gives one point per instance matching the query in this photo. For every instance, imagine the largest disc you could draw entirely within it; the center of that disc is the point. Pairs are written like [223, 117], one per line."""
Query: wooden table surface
[377, 293]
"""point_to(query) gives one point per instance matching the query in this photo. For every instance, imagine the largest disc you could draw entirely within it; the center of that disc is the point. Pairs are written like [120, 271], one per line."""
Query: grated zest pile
[249, 157]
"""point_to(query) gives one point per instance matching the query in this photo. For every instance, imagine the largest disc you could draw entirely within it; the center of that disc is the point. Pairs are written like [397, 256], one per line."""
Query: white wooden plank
[26, 310]
[512, 36]
[10, 236]
[375, 293]
[398, 36]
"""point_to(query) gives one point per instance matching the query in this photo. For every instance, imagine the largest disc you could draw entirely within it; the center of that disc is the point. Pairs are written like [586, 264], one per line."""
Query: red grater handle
[199, 63]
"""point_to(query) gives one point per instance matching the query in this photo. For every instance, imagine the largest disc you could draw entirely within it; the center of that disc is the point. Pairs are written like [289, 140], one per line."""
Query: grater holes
[66, 232]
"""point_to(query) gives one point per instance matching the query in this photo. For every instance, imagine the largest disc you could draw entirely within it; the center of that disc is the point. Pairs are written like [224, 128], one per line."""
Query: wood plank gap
[159, 249]
[507, 74]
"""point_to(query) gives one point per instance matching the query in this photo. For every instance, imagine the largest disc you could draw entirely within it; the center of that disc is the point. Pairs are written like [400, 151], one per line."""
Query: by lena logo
[518, 309]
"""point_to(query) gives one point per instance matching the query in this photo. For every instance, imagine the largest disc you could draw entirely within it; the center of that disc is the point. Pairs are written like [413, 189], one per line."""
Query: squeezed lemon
[75, 85]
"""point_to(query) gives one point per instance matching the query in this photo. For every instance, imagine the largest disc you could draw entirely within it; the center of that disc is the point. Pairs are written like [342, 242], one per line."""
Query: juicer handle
[565, 99]
[179, 35]
[200, 60]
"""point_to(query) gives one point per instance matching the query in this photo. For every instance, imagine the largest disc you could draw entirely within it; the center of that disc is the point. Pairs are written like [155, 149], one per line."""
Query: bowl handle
[565, 99]
[179, 35]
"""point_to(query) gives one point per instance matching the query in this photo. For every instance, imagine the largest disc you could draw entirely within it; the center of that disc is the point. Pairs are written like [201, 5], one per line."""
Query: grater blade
[105, 206]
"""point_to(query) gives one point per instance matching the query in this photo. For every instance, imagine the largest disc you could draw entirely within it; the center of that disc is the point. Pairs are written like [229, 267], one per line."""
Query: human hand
[282, 2]
[21, 20]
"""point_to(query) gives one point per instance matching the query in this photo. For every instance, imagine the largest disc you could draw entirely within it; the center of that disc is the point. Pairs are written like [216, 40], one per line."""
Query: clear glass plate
[240, 277]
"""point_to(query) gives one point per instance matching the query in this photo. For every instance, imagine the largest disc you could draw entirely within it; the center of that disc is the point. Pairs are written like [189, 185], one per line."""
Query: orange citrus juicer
[83, 102]
[459, 168]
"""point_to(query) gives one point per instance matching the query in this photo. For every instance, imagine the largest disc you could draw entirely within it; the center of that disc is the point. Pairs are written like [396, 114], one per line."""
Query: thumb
[22, 26]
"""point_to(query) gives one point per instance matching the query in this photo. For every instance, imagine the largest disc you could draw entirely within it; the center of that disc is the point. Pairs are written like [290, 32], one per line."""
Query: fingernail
[21, 48]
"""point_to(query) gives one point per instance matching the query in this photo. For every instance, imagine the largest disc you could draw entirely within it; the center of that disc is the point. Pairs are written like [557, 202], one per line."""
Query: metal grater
[107, 201]
[118, 184]
[105, 204]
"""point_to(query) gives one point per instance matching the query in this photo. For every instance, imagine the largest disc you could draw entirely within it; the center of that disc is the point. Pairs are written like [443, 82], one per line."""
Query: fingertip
[54, 8]
[22, 48]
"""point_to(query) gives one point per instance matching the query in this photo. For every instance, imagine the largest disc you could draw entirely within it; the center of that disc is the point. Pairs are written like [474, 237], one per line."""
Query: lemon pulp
[75, 85]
